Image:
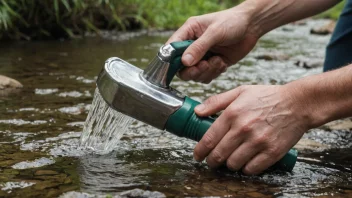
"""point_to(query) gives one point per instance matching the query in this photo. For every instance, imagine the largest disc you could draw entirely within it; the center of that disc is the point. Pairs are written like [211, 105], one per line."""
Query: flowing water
[41, 126]
[103, 127]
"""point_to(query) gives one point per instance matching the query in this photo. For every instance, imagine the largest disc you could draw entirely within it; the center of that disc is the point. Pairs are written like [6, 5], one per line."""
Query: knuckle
[261, 139]
[246, 128]
[230, 112]
[274, 152]
[208, 141]
[191, 20]
[198, 47]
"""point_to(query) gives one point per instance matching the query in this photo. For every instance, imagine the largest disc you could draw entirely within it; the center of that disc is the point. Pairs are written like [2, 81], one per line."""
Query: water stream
[103, 127]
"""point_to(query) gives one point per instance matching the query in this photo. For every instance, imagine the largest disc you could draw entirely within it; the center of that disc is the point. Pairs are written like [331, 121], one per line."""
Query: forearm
[266, 15]
[324, 97]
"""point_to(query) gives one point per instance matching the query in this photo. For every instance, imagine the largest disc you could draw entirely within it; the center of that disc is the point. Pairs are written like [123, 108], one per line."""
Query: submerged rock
[141, 193]
[8, 85]
[272, 57]
[325, 29]
[309, 64]
[307, 144]
[129, 193]
[340, 125]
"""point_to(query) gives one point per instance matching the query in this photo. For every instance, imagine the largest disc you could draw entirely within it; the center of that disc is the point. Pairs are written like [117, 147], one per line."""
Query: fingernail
[200, 107]
[188, 58]
[196, 157]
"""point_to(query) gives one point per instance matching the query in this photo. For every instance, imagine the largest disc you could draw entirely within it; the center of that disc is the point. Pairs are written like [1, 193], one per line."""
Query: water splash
[104, 126]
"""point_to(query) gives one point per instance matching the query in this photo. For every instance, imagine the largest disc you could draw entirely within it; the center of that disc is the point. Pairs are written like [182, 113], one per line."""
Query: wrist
[247, 10]
[304, 104]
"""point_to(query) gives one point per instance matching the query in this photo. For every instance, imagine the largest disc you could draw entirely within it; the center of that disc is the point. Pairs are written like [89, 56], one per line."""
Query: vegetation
[32, 19]
[334, 12]
[27, 19]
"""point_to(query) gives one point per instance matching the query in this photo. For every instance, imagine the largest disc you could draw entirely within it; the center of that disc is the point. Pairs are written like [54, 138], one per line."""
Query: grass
[334, 12]
[38, 19]
[32, 19]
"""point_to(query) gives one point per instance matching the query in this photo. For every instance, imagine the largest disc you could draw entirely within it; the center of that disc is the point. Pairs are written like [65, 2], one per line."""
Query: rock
[309, 64]
[271, 57]
[340, 125]
[45, 172]
[8, 85]
[46, 184]
[129, 193]
[307, 144]
[300, 22]
[325, 29]
[141, 193]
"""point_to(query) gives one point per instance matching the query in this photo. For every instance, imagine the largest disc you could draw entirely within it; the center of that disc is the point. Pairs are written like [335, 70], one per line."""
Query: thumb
[195, 52]
[217, 103]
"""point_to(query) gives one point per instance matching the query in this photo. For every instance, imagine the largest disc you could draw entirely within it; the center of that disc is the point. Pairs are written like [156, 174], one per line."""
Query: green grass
[33, 19]
[38, 19]
[334, 12]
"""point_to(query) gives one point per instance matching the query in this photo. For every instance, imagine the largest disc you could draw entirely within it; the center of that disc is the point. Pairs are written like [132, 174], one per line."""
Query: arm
[261, 123]
[326, 97]
[232, 33]
[266, 15]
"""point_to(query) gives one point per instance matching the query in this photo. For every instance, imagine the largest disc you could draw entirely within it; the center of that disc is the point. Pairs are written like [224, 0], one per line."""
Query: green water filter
[185, 123]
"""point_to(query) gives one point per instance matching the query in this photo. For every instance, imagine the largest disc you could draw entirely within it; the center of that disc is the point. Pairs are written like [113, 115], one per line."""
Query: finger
[204, 69]
[260, 162]
[243, 154]
[189, 73]
[183, 33]
[228, 144]
[199, 47]
[215, 67]
[217, 102]
[211, 138]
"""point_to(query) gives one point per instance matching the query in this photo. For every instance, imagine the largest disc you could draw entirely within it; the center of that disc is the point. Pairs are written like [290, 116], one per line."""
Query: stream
[41, 125]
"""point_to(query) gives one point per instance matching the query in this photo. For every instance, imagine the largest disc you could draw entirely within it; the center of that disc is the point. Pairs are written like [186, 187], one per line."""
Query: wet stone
[46, 184]
[340, 125]
[272, 57]
[45, 172]
[8, 85]
[328, 28]
[309, 63]
[141, 193]
[255, 194]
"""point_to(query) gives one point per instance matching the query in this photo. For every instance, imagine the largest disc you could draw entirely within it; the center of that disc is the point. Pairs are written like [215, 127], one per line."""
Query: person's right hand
[226, 33]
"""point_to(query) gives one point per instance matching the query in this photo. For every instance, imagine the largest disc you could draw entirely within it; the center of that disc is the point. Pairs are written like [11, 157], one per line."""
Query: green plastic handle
[185, 123]
[175, 60]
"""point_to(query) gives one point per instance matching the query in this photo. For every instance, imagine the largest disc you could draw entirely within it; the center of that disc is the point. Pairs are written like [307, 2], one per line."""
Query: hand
[259, 125]
[225, 33]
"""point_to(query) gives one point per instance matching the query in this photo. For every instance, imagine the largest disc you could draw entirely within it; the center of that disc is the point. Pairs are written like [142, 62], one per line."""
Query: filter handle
[176, 62]
[185, 123]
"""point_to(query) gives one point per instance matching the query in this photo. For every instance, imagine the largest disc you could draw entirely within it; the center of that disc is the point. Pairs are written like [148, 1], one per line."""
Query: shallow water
[40, 127]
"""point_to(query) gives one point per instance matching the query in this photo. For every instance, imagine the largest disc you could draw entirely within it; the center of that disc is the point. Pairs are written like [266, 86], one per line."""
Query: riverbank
[37, 20]
[62, 18]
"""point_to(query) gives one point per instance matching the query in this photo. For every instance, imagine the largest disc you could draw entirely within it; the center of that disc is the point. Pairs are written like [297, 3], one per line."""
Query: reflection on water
[45, 121]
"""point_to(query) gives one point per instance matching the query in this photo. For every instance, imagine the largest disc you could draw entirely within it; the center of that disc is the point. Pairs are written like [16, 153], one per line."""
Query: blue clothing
[339, 50]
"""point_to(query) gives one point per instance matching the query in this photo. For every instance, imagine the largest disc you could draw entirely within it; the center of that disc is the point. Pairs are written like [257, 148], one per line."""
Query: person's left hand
[258, 127]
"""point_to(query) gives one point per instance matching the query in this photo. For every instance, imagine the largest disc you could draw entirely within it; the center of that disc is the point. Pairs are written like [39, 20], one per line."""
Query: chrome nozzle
[125, 89]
